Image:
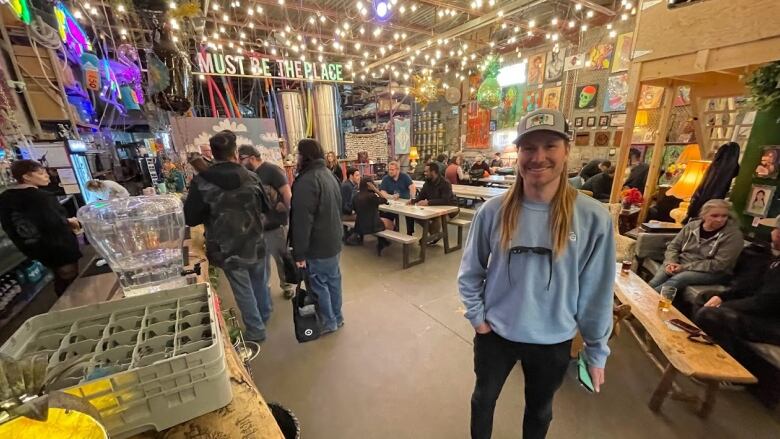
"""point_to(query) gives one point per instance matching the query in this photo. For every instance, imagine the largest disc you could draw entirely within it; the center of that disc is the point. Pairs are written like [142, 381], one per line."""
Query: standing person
[38, 225]
[349, 190]
[274, 183]
[107, 189]
[454, 173]
[637, 177]
[398, 185]
[538, 264]
[228, 200]
[333, 164]
[315, 231]
[368, 221]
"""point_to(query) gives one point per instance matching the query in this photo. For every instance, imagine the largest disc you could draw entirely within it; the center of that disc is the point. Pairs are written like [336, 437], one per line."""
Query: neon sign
[71, 33]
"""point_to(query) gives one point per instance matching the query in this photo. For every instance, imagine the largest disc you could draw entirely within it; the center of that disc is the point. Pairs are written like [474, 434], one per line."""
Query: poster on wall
[574, 62]
[622, 52]
[650, 97]
[402, 131]
[554, 67]
[190, 133]
[477, 127]
[552, 98]
[683, 96]
[532, 100]
[770, 162]
[601, 56]
[536, 69]
[617, 91]
[617, 120]
[760, 200]
[586, 96]
[511, 109]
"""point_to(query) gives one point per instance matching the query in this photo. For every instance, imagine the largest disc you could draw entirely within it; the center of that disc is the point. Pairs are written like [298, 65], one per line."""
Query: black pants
[393, 217]
[730, 327]
[544, 367]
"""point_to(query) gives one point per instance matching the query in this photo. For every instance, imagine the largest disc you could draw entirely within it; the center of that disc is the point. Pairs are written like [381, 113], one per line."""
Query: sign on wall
[190, 133]
[254, 66]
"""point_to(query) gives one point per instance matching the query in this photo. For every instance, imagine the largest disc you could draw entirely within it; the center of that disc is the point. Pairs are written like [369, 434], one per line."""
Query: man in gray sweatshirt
[538, 265]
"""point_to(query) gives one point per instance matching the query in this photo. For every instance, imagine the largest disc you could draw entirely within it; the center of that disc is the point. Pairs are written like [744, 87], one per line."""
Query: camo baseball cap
[543, 120]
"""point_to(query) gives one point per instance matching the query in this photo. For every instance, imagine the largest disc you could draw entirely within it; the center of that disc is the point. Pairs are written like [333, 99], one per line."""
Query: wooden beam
[634, 88]
[699, 123]
[30, 114]
[658, 148]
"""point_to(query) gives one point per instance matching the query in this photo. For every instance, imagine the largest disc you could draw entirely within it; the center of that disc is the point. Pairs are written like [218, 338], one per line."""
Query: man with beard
[436, 191]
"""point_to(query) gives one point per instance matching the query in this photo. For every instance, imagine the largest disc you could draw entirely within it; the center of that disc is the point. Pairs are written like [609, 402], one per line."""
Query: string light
[259, 9]
[532, 23]
[414, 8]
[572, 23]
[624, 17]
[584, 27]
[577, 7]
[589, 14]
[554, 21]
[120, 8]
[612, 34]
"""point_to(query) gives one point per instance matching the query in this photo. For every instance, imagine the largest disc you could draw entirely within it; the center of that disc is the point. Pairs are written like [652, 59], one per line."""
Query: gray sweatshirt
[718, 254]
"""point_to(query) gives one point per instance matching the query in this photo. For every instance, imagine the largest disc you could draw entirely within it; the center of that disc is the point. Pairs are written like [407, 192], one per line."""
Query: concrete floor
[401, 367]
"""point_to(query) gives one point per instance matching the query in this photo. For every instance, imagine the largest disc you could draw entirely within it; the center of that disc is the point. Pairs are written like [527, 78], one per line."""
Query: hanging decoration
[489, 93]
[90, 66]
[128, 74]
[425, 89]
[177, 96]
[21, 10]
[71, 32]
[159, 76]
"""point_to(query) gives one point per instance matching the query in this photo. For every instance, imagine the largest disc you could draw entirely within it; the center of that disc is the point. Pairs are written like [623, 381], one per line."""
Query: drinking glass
[667, 296]
[625, 268]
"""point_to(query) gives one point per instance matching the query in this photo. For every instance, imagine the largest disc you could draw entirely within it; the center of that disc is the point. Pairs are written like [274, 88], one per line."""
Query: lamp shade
[690, 179]
[691, 152]
[413, 154]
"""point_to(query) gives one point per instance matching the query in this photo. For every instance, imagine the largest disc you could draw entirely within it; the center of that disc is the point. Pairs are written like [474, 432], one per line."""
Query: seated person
[419, 169]
[396, 185]
[480, 168]
[368, 221]
[441, 161]
[435, 192]
[749, 310]
[497, 162]
[348, 191]
[704, 252]
[601, 185]
[454, 173]
[637, 176]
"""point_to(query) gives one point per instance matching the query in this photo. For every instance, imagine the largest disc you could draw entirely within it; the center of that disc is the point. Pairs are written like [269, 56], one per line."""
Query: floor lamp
[686, 186]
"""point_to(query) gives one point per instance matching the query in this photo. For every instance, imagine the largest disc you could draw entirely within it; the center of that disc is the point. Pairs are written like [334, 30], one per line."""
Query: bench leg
[460, 242]
[709, 399]
[663, 389]
[407, 262]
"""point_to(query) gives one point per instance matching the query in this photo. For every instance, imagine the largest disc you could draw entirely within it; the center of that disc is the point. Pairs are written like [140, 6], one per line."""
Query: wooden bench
[460, 224]
[407, 241]
[706, 363]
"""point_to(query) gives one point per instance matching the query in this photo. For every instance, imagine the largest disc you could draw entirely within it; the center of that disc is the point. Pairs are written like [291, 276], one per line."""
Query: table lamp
[686, 186]
[413, 156]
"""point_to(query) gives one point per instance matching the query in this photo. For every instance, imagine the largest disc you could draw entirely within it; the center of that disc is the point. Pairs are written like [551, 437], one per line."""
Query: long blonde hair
[561, 213]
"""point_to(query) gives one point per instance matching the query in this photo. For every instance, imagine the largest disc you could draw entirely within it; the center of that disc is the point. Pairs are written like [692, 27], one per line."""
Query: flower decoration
[631, 197]
[425, 89]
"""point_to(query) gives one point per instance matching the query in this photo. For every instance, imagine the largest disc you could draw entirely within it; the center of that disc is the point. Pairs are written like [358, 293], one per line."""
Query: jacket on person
[438, 193]
[315, 215]
[717, 179]
[600, 185]
[717, 254]
[229, 201]
[348, 194]
[748, 295]
[454, 174]
[637, 177]
[38, 226]
[367, 211]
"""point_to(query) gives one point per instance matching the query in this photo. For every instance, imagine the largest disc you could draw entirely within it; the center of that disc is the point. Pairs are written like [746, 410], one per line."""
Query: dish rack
[145, 362]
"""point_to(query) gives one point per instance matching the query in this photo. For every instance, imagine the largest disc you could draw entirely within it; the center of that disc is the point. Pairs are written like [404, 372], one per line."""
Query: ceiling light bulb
[299, 37]
[403, 36]
[281, 2]
[362, 30]
[577, 7]
[273, 51]
[357, 46]
[554, 21]
[612, 34]
[322, 19]
[532, 23]
[312, 20]
[259, 9]
[414, 8]
[222, 29]
[584, 27]
[589, 14]
[313, 41]
[440, 13]
[491, 3]
[215, 7]
[225, 17]
[402, 9]
[287, 28]
[555, 37]
[572, 23]
[503, 25]
[517, 29]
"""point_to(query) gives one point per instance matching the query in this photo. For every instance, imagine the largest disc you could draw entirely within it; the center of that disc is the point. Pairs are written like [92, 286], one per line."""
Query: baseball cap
[543, 120]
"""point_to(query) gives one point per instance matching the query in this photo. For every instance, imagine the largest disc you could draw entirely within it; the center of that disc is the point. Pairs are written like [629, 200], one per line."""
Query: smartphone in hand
[583, 375]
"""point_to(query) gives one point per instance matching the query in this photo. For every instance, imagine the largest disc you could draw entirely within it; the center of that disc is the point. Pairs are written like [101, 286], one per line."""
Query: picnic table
[504, 180]
[709, 364]
[424, 214]
[466, 191]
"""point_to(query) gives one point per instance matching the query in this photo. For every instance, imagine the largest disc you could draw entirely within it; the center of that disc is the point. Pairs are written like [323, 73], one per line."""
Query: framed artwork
[532, 100]
[617, 120]
[578, 122]
[600, 56]
[574, 62]
[553, 69]
[536, 68]
[769, 163]
[552, 98]
[760, 200]
[603, 121]
[492, 125]
[601, 138]
[586, 96]
[511, 108]
[582, 139]
[617, 92]
[617, 138]
[650, 97]
[622, 52]
[683, 96]
[591, 122]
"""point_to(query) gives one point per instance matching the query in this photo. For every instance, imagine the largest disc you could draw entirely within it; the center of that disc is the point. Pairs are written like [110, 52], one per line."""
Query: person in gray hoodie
[704, 252]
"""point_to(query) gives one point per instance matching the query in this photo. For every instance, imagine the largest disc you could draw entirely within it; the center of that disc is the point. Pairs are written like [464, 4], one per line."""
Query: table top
[466, 191]
[419, 212]
[688, 357]
[499, 179]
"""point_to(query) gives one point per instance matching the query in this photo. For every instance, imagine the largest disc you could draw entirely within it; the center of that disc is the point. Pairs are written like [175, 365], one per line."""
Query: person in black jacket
[436, 191]
[38, 225]
[315, 231]
[601, 185]
[637, 177]
[749, 311]
[368, 222]
[228, 200]
[349, 190]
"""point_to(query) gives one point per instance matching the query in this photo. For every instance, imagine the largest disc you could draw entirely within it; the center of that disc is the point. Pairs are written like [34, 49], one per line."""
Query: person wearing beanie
[316, 232]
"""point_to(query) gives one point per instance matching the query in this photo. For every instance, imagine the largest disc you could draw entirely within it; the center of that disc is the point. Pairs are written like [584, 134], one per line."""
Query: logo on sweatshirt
[572, 237]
